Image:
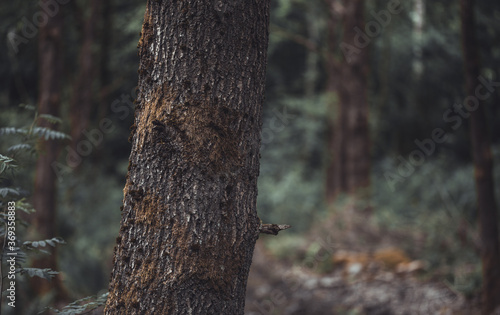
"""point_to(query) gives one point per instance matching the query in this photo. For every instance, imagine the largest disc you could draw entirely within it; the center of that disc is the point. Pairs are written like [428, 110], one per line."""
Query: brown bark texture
[44, 194]
[189, 221]
[349, 142]
[483, 166]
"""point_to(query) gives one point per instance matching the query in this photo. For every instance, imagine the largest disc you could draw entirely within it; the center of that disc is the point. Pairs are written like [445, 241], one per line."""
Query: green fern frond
[13, 131]
[9, 191]
[19, 147]
[82, 306]
[24, 206]
[28, 107]
[6, 163]
[49, 134]
[36, 244]
[46, 273]
[51, 119]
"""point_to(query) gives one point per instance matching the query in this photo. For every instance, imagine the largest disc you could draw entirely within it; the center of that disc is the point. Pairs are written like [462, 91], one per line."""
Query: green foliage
[5, 163]
[14, 199]
[24, 206]
[29, 136]
[286, 245]
[45, 273]
[433, 201]
[437, 205]
[34, 133]
[39, 245]
[51, 119]
[18, 147]
[292, 164]
[83, 306]
[49, 134]
[6, 191]
[91, 216]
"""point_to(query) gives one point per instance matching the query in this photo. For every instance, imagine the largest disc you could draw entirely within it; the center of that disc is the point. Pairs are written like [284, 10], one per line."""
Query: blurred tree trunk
[313, 56]
[104, 34]
[45, 190]
[349, 144]
[81, 102]
[189, 221]
[483, 166]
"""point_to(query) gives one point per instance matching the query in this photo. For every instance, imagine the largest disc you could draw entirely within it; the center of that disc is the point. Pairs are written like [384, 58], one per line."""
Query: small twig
[273, 229]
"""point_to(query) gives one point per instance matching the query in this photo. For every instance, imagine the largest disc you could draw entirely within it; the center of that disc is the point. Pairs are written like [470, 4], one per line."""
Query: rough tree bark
[44, 193]
[349, 143]
[189, 221]
[483, 167]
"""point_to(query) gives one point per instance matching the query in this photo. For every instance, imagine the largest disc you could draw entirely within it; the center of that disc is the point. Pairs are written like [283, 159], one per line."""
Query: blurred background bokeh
[346, 109]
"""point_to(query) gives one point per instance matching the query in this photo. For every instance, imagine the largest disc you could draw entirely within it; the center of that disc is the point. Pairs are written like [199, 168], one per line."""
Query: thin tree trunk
[349, 145]
[81, 102]
[483, 167]
[106, 26]
[45, 190]
[332, 65]
[189, 221]
[313, 56]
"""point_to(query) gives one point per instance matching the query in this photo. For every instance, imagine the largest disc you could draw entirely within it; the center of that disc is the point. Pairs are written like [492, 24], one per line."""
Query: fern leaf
[43, 243]
[8, 191]
[46, 273]
[19, 147]
[13, 131]
[81, 306]
[51, 119]
[49, 134]
[27, 106]
[24, 206]
[6, 163]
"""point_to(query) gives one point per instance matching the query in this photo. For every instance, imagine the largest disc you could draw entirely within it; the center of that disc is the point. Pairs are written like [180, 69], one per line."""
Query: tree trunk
[189, 221]
[483, 167]
[349, 144]
[104, 38]
[81, 102]
[44, 194]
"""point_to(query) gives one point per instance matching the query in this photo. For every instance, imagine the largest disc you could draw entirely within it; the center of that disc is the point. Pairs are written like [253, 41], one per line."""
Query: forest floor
[276, 288]
[358, 285]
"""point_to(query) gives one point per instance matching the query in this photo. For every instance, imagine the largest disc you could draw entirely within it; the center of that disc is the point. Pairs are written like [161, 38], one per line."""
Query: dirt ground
[276, 288]
[285, 286]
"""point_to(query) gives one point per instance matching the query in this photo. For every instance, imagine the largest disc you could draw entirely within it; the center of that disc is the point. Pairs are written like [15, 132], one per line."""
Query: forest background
[414, 88]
